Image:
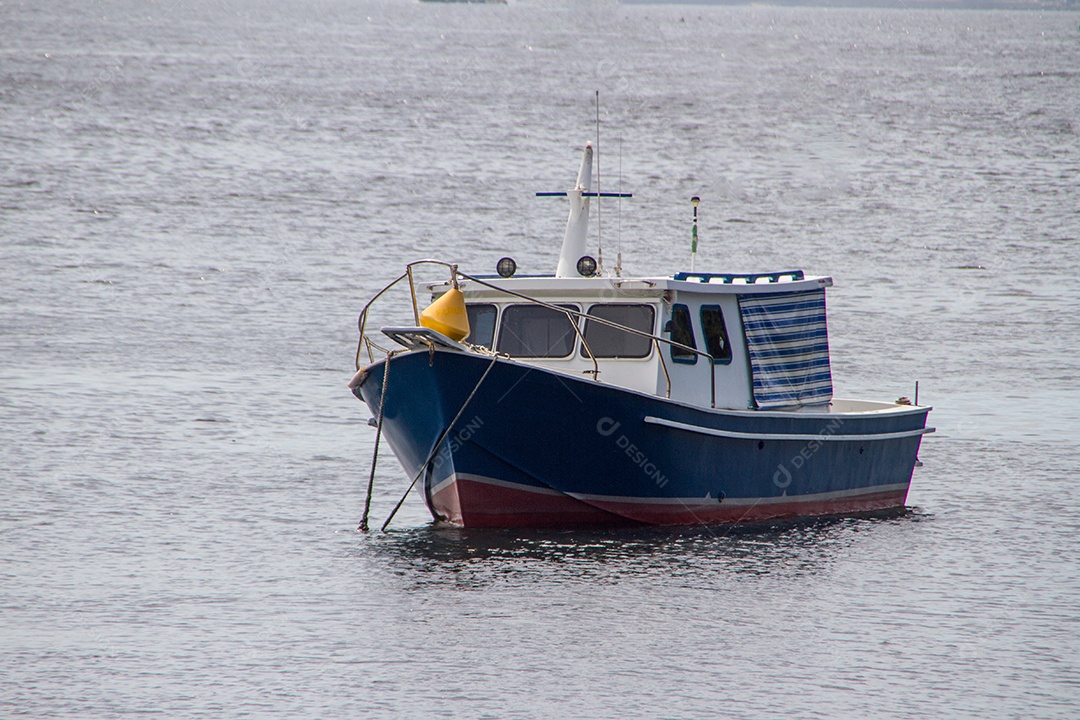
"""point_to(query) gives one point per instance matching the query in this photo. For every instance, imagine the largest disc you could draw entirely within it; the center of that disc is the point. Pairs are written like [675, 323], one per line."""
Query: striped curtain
[789, 348]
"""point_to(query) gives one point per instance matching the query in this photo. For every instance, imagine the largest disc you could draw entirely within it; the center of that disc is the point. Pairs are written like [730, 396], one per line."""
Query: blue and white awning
[789, 348]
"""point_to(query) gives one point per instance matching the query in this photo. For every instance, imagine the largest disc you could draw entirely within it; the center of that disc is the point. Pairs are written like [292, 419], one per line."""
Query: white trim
[498, 483]
[787, 436]
[710, 501]
[681, 502]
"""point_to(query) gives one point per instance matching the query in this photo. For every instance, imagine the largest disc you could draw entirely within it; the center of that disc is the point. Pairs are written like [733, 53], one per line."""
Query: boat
[584, 398]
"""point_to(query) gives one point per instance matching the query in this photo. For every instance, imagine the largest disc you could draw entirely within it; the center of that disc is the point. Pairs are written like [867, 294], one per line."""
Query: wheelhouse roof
[792, 281]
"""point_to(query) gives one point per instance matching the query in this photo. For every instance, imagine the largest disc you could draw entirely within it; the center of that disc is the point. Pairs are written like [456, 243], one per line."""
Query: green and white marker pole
[693, 242]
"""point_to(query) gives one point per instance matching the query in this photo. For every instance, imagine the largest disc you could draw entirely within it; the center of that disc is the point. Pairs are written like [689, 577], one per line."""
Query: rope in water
[435, 449]
[378, 436]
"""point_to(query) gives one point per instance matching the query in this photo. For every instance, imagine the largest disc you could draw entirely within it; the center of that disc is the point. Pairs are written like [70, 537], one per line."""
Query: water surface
[196, 198]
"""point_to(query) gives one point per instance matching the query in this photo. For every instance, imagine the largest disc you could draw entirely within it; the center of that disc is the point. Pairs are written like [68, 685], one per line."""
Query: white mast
[577, 225]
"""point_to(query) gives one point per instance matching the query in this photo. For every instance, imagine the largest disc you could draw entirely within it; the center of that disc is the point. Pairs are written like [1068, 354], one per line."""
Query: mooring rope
[442, 437]
[378, 436]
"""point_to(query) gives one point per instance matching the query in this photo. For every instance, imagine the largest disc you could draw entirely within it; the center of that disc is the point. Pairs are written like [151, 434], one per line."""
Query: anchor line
[442, 436]
[363, 527]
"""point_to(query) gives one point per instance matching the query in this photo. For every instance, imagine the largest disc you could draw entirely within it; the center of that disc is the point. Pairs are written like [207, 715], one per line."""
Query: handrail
[362, 320]
[412, 286]
[663, 366]
[584, 344]
[590, 318]
[602, 321]
[412, 295]
[747, 278]
[656, 339]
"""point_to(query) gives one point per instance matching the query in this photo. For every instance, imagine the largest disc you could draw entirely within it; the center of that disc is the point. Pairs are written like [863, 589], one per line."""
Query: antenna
[693, 242]
[599, 246]
[618, 234]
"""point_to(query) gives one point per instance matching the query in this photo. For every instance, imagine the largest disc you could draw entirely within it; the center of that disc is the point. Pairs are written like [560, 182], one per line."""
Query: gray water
[197, 197]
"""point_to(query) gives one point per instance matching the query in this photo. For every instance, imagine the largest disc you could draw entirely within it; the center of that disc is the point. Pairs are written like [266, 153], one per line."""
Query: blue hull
[539, 448]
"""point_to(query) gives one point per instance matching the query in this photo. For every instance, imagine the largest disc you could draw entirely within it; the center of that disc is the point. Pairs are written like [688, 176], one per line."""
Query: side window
[608, 342]
[716, 337]
[481, 325]
[682, 331]
[534, 331]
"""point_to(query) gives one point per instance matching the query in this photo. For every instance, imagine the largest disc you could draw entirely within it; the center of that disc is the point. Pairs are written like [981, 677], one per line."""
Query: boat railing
[740, 278]
[571, 315]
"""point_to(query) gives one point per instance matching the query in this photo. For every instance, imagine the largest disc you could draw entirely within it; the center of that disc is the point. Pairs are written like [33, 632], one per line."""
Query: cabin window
[481, 325]
[534, 331]
[682, 331]
[608, 342]
[716, 337]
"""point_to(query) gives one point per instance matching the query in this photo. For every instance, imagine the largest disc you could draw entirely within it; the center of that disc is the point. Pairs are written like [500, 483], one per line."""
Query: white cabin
[705, 312]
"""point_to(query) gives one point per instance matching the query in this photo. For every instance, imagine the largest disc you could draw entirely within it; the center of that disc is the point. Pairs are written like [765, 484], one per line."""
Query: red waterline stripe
[475, 502]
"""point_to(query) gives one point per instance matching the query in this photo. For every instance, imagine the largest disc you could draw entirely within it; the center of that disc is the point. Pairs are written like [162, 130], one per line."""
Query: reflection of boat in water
[583, 399]
[477, 558]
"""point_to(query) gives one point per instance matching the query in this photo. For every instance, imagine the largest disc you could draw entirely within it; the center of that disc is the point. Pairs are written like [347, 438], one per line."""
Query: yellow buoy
[447, 315]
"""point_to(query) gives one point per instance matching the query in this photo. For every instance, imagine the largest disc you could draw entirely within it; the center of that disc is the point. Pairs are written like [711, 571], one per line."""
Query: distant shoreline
[1040, 5]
